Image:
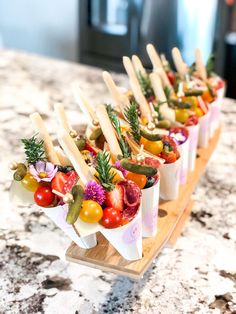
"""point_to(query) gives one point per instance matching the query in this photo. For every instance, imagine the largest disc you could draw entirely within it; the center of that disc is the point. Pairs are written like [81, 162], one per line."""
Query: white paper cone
[221, 93]
[127, 240]
[214, 121]
[150, 204]
[58, 216]
[203, 136]
[170, 179]
[184, 155]
[193, 140]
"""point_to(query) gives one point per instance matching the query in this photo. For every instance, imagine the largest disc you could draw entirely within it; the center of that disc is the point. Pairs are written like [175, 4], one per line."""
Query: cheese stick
[154, 57]
[75, 157]
[83, 103]
[61, 116]
[201, 69]
[40, 127]
[108, 130]
[181, 67]
[138, 65]
[166, 112]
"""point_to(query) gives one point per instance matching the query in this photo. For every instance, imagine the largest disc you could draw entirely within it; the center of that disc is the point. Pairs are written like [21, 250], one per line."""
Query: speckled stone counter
[197, 276]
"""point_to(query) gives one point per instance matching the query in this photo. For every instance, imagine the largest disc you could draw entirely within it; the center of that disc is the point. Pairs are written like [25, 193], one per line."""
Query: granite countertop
[197, 276]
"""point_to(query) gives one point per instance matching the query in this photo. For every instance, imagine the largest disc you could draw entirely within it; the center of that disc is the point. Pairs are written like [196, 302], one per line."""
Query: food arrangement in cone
[133, 153]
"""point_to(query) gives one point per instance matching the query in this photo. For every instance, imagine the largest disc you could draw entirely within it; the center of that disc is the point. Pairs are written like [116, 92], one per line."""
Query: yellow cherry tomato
[154, 147]
[206, 96]
[192, 101]
[181, 115]
[117, 178]
[90, 212]
[29, 182]
[198, 111]
[139, 179]
[143, 140]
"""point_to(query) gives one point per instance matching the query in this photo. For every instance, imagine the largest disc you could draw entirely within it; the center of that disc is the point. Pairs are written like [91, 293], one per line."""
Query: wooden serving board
[172, 216]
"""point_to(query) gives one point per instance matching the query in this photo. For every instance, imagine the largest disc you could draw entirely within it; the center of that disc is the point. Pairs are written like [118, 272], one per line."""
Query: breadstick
[108, 130]
[84, 104]
[154, 57]
[75, 157]
[164, 78]
[111, 87]
[181, 67]
[61, 116]
[40, 127]
[201, 69]
[165, 111]
[138, 65]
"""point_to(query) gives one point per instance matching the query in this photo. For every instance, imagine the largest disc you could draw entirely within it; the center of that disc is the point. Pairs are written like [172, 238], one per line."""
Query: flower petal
[49, 167]
[40, 166]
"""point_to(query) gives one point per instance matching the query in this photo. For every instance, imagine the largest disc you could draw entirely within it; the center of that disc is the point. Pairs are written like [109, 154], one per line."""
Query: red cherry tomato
[171, 77]
[111, 218]
[43, 196]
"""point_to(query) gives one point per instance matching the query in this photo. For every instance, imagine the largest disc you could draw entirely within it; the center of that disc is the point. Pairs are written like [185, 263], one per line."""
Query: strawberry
[90, 148]
[115, 198]
[63, 182]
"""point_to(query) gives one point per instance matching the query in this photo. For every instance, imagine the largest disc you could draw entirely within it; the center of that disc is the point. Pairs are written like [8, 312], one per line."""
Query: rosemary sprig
[34, 149]
[192, 68]
[145, 84]
[126, 150]
[104, 169]
[131, 115]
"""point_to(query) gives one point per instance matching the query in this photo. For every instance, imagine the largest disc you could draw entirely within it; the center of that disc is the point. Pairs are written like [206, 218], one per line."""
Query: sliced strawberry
[192, 120]
[115, 198]
[72, 178]
[59, 181]
[90, 148]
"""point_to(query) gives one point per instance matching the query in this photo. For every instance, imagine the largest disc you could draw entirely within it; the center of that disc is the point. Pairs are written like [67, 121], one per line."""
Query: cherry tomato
[112, 218]
[90, 212]
[169, 158]
[154, 147]
[181, 115]
[30, 183]
[117, 178]
[143, 140]
[206, 96]
[192, 120]
[171, 77]
[43, 196]
[192, 101]
[198, 112]
[139, 179]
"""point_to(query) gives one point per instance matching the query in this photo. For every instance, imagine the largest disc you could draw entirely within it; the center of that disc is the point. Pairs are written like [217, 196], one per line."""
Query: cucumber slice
[136, 168]
[149, 136]
[74, 208]
[95, 134]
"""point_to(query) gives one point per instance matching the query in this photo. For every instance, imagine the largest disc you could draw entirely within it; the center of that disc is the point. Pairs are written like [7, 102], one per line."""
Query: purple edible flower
[43, 171]
[94, 192]
[118, 166]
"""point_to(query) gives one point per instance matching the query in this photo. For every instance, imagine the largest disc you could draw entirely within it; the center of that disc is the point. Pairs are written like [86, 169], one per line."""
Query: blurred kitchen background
[100, 32]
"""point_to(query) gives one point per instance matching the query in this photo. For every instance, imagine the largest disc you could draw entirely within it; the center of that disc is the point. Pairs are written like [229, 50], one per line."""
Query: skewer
[40, 127]
[108, 130]
[181, 67]
[201, 69]
[76, 158]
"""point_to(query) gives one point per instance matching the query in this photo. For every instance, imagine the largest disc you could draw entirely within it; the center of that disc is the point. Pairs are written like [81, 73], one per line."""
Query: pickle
[163, 124]
[80, 143]
[136, 168]
[180, 104]
[150, 136]
[74, 208]
[20, 173]
[95, 134]
[195, 92]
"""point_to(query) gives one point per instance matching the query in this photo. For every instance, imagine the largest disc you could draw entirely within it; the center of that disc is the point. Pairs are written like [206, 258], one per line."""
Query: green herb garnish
[131, 115]
[146, 85]
[192, 68]
[104, 170]
[34, 149]
[210, 65]
[126, 151]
